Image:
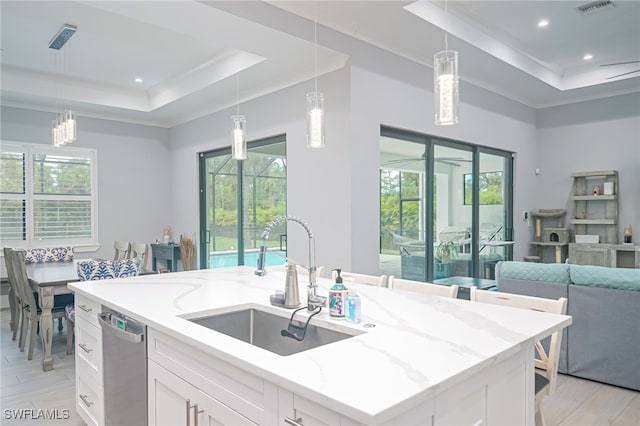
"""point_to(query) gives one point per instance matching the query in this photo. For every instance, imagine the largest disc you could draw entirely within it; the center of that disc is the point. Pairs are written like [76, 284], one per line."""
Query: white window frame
[30, 150]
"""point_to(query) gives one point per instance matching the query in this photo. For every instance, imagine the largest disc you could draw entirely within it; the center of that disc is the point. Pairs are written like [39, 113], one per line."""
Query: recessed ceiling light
[543, 23]
[138, 80]
[587, 57]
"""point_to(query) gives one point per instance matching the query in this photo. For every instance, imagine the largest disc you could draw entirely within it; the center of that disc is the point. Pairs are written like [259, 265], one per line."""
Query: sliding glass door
[445, 207]
[238, 199]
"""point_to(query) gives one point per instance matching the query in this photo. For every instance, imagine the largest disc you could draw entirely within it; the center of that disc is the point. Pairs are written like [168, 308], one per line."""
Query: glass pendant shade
[70, 127]
[63, 129]
[445, 87]
[55, 141]
[315, 120]
[239, 137]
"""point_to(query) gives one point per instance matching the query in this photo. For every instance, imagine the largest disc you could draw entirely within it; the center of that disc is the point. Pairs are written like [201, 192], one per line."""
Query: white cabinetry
[295, 410]
[187, 386]
[179, 374]
[89, 387]
[173, 402]
[500, 394]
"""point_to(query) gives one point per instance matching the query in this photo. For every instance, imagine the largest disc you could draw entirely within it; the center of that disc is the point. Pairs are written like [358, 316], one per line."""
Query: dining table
[49, 279]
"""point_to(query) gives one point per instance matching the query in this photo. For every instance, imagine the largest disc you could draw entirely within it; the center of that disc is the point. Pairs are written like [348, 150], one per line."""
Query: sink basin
[262, 329]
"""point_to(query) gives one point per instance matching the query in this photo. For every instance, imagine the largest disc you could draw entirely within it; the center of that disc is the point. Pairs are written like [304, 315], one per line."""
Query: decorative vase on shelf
[628, 233]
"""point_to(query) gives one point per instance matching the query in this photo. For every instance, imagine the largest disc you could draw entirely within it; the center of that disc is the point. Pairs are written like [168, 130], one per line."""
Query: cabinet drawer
[89, 395]
[89, 345]
[88, 310]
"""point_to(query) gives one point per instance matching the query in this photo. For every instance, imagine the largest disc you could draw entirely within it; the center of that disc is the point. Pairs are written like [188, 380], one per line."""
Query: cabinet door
[173, 401]
[295, 410]
[464, 405]
[584, 254]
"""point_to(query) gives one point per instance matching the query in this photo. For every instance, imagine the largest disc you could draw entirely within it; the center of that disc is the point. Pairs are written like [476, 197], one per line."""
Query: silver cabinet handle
[296, 422]
[188, 402]
[84, 308]
[195, 414]
[86, 401]
[84, 347]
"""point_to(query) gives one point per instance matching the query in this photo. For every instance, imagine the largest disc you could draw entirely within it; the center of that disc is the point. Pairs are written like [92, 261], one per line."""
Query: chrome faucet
[313, 299]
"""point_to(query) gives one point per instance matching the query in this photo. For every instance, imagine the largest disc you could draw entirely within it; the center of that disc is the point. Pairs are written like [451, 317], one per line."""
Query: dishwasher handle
[132, 332]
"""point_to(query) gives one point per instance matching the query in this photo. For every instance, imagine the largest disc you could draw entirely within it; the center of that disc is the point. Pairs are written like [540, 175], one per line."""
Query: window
[47, 195]
[238, 199]
[490, 188]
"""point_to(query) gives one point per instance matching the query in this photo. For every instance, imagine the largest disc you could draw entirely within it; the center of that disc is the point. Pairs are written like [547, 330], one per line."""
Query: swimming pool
[222, 260]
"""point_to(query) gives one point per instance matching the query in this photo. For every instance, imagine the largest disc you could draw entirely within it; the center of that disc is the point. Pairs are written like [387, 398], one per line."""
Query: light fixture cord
[446, 26]
[315, 42]
[237, 94]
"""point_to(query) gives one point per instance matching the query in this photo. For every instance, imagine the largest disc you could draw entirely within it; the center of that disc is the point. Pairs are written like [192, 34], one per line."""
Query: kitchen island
[414, 358]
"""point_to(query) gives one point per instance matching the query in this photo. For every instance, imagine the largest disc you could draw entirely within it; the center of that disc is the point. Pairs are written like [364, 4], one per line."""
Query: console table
[610, 255]
[169, 253]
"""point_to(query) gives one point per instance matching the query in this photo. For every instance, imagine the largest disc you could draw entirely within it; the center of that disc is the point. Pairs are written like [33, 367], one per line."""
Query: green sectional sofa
[603, 342]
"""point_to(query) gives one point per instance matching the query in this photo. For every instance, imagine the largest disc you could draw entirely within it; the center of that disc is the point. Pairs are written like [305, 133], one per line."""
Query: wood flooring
[576, 402]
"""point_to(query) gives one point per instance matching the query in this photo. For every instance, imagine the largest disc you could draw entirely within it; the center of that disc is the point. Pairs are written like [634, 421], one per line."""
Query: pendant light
[315, 100]
[445, 82]
[63, 126]
[239, 130]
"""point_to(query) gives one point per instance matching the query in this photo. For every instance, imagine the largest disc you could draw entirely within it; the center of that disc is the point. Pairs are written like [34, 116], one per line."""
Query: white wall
[336, 189]
[133, 173]
[318, 183]
[485, 119]
[590, 136]
[147, 182]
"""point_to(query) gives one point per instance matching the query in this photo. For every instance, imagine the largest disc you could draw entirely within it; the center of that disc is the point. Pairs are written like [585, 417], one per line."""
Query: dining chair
[48, 254]
[373, 280]
[15, 294]
[546, 362]
[139, 251]
[92, 270]
[121, 250]
[422, 287]
[31, 307]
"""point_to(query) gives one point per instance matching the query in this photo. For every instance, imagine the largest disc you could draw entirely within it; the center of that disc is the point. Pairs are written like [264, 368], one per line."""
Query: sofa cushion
[603, 338]
[600, 276]
[546, 272]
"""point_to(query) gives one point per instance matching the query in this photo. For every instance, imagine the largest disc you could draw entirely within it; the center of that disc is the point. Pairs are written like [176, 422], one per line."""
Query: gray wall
[590, 136]
[148, 176]
[134, 180]
[336, 189]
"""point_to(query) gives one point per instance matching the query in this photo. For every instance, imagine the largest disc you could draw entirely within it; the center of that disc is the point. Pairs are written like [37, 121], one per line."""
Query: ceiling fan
[621, 63]
[452, 161]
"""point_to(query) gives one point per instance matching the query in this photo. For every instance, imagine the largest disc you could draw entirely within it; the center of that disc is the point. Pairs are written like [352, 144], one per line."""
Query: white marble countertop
[420, 345]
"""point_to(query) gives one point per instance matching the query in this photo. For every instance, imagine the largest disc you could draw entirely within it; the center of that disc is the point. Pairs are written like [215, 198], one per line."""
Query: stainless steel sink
[263, 329]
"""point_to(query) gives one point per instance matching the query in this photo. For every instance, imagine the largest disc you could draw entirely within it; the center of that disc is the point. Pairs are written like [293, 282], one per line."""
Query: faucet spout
[313, 300]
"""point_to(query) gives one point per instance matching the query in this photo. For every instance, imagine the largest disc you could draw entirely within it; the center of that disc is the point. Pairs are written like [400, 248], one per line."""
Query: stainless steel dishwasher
[124, 369]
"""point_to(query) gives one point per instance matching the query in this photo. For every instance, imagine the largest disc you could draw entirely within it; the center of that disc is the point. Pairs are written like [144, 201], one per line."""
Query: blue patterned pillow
[89, 270]
[546, 272]
[600, 276]
[48, 254]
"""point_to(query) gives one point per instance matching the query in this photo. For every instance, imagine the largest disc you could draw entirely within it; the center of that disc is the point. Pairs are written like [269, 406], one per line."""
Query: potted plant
[445, 251]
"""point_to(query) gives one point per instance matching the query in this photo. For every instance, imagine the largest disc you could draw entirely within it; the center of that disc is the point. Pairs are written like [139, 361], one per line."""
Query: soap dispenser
[337, 298]
[354, 307]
